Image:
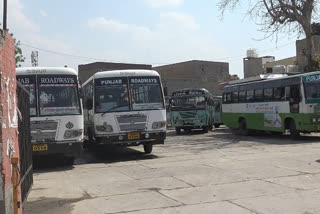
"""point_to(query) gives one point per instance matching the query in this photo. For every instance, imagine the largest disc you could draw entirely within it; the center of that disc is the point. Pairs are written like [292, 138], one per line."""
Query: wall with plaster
[8, 117]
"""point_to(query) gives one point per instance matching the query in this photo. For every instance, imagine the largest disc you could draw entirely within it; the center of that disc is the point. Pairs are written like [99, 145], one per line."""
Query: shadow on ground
[97, 154]
[112, 154]
[52, 205]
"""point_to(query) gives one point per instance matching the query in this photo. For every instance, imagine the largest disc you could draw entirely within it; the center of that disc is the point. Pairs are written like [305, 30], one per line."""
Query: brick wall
[87, 70]
[9, 119]
[194, 74]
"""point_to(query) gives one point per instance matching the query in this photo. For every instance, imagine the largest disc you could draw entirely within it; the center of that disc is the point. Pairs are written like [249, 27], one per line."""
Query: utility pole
[34, 58]
[4, 15]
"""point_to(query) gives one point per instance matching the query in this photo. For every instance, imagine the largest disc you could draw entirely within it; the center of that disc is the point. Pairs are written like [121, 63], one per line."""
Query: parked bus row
[127, 108]
[120, 107]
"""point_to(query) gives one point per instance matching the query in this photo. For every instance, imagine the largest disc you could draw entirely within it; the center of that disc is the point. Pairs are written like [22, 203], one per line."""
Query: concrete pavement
[218, 172]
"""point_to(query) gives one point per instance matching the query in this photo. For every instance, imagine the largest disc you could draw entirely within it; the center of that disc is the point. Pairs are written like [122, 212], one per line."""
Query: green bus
[285, 104]
[195, 109]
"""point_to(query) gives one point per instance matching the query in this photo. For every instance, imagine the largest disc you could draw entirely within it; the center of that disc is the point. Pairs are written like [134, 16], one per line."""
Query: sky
[156, 32]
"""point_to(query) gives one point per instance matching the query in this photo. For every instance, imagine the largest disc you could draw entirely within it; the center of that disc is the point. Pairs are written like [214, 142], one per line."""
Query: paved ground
[216, 172]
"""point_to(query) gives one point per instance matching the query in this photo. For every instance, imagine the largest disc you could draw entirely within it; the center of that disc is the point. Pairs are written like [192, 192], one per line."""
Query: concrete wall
[87, 70]
[300, 46]
[194, 74]
[9, 120]
[255, 66]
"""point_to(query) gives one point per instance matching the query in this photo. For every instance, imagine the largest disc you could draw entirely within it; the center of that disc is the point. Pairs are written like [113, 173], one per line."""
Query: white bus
[55, 110]
[125, 107]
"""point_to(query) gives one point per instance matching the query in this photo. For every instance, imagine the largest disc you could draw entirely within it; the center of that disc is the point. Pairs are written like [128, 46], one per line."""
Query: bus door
[293, 95]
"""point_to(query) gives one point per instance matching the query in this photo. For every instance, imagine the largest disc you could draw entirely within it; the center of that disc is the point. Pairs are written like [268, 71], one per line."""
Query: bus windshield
[111, 95]
[146, 93]
[189, 102]
[29, 82]
[312, 90]
[58, 100]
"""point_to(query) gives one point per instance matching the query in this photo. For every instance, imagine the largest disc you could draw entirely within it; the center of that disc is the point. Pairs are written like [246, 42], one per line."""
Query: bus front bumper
[126, 140]
[69, 148]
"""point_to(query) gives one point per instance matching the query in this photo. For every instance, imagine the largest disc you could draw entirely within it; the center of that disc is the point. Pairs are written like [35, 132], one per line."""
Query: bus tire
[69, 160]
[147, 148]
[216, 126]
[294, 133]
[243, 129]
[205, 129]
[210, 128]
[178, 131]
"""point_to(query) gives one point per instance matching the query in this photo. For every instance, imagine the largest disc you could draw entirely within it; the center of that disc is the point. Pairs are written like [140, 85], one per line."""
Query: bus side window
[242, 96]
[278, 94]
[294, 94]
[229, 100]
[235, 97]
[267, 94]
[258, 95]
[249, 97]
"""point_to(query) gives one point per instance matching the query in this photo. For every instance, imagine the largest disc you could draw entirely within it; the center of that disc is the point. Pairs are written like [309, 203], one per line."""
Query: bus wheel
[243, 129]
[210, 128]
[69, 160]
[147, 148]
[205, 129]
[294, 133]
[178, 131]
[216, 126]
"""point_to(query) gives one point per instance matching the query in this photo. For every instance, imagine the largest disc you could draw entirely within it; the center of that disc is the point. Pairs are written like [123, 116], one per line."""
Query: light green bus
[290, 103]
[195, 109]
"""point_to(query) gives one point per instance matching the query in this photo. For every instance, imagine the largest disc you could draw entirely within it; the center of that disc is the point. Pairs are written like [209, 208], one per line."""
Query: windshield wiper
[113, 109]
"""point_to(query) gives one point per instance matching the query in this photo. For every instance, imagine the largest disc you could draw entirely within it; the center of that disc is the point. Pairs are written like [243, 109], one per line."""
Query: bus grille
[43, 130]
[134, 122]
[188, 114]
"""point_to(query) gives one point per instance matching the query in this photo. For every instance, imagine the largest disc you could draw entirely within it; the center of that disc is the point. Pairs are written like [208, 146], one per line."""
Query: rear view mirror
[165, 91]
[89, 104]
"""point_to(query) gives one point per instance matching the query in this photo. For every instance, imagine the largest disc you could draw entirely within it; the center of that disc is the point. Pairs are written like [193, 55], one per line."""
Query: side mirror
[165, 91]
[89, 104]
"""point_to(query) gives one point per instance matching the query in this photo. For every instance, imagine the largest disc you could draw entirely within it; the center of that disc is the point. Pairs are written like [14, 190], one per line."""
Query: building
[194, 74]
[301, 51]
[87, 70]
[268, 67]
[254, 66]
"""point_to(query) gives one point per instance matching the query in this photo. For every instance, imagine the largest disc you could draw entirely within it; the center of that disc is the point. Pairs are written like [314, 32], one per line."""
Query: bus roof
[122, 73]
[273, 82]
[45, 70]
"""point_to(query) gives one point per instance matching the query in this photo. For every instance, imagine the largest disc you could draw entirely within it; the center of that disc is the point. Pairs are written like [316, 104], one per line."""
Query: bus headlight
[104, 128]
[158, 125]
[72, 133]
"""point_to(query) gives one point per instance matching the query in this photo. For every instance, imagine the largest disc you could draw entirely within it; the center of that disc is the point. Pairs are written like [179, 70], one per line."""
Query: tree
[18, 51]
[281, 16]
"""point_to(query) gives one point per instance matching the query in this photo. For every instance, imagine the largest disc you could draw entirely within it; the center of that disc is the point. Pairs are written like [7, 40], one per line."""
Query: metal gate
[26, 172]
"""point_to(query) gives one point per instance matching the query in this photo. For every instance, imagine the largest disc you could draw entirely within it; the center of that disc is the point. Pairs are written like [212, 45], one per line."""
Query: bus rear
[55, 110]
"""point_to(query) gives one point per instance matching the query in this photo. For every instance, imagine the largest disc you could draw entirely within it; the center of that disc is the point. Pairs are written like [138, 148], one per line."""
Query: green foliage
[316, 62]
[315, 28]
[18, 51]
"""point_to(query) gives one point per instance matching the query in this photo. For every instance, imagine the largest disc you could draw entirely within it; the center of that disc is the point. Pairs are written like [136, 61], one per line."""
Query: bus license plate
[39, 148]
[134, 136]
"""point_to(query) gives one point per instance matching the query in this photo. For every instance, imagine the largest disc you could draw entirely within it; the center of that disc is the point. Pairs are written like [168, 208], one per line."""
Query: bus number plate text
[38, 148]
[134, 136]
